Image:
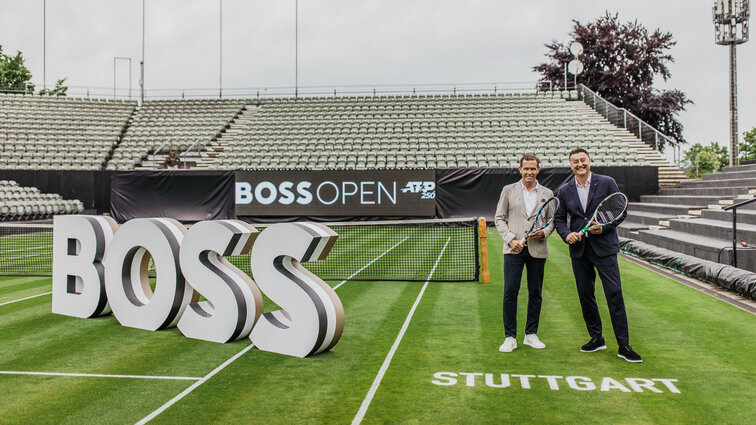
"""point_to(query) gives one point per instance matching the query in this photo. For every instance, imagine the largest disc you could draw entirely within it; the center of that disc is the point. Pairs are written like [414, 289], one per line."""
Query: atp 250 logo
[99, 267]
[427, 190]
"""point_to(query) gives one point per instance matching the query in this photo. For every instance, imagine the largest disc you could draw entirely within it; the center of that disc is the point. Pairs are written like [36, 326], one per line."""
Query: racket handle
[522, 241]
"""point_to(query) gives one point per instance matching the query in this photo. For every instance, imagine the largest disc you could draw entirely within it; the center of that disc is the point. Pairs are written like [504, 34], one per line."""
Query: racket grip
[522, 241]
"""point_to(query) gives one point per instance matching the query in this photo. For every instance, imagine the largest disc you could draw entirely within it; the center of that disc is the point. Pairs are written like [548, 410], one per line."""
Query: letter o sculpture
[131, 298]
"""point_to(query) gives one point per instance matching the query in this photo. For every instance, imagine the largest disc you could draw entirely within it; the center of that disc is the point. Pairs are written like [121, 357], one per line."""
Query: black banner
[474, 192]
[336, 193]
[183, 195]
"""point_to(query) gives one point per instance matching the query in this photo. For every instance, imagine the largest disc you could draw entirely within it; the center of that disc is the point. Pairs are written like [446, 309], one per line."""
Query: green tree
[58, 91]
[621, 62]
[748, 149]
[14, 75]
[700, 159]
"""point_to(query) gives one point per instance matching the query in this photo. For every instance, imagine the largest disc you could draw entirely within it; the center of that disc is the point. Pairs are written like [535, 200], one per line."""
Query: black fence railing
[734, 209]
[622, 118]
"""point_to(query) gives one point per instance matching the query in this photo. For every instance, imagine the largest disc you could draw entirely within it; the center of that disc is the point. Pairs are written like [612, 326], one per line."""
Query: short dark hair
[530, 157]
[578, 150]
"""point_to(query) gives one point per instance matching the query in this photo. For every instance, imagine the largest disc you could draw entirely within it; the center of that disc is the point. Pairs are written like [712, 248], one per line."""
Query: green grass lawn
[704, 344]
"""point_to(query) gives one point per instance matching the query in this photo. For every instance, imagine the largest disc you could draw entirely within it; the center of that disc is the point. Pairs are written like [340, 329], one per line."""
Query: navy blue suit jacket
[570, 216]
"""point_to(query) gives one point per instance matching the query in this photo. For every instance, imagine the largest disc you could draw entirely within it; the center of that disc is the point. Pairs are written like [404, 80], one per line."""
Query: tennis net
[402, 250]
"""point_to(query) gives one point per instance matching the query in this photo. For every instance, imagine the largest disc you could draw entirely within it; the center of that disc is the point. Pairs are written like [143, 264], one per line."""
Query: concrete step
[719, 183]
[712, 249]
[694, 201]
[670, 210]
[748, 167]
[748, 174]
[647, 218]
[707, 191]
[714, 228]
[743, 216]
[628, 229]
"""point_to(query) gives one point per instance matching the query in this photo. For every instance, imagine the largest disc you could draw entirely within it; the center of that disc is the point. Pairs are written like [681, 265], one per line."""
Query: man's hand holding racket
[608, 211]
[542, 220]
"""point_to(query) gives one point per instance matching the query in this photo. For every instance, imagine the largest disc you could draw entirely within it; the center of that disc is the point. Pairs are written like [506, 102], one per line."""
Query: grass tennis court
[120, 375]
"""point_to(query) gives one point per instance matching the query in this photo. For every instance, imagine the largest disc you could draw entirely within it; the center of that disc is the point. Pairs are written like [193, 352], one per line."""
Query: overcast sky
[365, 42]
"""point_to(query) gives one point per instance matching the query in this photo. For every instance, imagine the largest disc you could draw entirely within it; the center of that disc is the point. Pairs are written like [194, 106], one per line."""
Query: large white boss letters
[99, 267]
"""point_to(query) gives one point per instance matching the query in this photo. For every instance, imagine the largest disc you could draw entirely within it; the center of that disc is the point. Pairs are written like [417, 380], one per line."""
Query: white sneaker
[533, 341]
[508, 345]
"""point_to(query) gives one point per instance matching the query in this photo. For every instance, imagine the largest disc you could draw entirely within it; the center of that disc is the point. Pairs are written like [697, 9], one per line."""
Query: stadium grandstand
[451, 154]
[189, 126]
[60, 133]
[28, 203]
[366, 132]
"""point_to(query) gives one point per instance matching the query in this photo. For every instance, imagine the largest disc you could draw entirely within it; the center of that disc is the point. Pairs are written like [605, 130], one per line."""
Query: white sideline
[202, 380]
[24, 299]
[98, 375]
[191, 388]
[368, 264]
[377, 382]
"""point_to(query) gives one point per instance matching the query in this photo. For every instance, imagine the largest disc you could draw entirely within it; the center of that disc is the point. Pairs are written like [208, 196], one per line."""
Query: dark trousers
[513, 265]
[585, 278]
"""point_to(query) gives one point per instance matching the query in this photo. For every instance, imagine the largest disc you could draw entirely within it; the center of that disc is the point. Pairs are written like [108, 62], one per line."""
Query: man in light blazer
[518, 204]
[579, 198]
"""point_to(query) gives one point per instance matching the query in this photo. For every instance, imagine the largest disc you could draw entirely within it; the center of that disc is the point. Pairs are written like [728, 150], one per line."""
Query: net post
[485, 277]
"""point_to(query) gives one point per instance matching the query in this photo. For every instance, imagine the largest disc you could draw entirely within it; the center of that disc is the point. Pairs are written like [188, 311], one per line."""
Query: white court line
[368, 264]
[97, 375]
[377, 382]
[24, 299]
[191, 388]
[183, 394]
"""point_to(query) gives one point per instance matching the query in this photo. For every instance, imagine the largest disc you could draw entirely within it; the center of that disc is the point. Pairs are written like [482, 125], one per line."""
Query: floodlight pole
[731, 28]
[141, 64]
[220, 58]
[296, 47]
[44, 44]
[734, 148]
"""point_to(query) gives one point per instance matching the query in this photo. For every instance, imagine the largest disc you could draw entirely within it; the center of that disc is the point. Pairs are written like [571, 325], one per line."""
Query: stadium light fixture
[731, 28]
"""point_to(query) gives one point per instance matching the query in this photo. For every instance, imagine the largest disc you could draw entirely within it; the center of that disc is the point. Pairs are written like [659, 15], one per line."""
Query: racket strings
[610, 209]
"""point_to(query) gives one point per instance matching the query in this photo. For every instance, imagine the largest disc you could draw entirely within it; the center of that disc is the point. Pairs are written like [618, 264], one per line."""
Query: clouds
[368, 42]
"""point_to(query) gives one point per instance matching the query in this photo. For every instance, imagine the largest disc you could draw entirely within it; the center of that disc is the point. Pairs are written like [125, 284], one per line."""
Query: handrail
[734, 209]
[619, 117]
[168, 142]
[196, 144]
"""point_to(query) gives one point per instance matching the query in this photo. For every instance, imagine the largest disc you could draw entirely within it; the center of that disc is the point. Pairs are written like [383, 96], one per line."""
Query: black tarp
[184, 196]
[459, 192]
[474, 192]
[90, 187]
[737, 280]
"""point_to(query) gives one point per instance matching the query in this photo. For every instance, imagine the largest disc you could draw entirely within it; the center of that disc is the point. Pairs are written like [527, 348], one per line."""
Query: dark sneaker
[594, 344]
[626, 352]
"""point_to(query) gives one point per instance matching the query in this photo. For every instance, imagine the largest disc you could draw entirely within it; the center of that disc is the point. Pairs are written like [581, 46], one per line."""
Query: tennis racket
[543, 218]
[608, 211]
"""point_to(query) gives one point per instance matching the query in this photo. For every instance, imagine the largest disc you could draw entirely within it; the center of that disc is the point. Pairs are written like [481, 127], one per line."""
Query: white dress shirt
[530, 197]
[582, 191]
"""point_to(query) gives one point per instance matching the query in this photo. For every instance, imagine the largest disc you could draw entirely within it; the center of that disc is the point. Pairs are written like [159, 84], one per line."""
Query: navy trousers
[513, 265]
[585, 278]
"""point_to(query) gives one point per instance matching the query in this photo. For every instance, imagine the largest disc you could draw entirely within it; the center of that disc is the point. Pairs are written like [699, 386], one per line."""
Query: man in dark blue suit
[578, 199]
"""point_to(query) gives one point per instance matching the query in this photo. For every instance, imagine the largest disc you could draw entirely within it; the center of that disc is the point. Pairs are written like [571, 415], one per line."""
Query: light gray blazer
[513, 222]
